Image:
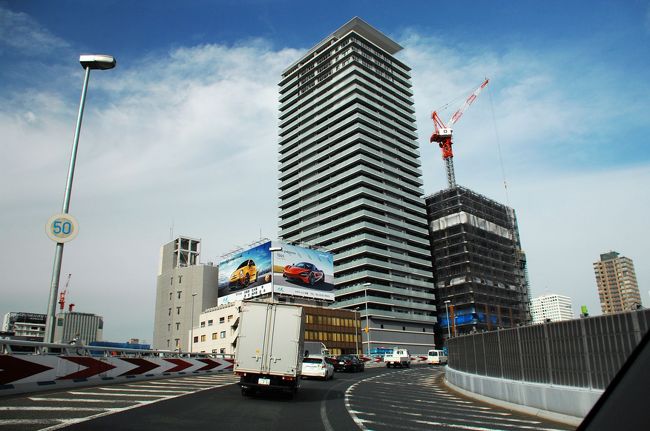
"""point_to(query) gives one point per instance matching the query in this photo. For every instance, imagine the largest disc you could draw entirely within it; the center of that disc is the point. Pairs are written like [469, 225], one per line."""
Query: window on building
[169, 327]
[230, 318]
[214, 335]
[179, 294]
[196, 339]
[178, 326]
[202, 338]
[180, 279]
[178, 310]
[203, 324]
[171, 281]
[178, 341]
[223, 334]
[210, 322]
[222, 319]
[222, 350]
[170, 312]
[170, 296]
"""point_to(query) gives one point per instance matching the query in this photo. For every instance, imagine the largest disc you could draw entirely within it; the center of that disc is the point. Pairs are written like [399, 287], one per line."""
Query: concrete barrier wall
[21, 373]
[562, 403]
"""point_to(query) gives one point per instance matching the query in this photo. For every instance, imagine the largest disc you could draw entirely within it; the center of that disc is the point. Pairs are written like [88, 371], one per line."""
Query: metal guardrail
[22, 347]
[584, 353]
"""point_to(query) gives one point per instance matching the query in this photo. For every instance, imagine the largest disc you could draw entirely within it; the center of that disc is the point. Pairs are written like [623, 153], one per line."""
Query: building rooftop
[360, 27]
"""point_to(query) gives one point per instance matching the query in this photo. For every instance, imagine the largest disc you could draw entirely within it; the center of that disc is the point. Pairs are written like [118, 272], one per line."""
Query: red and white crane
[442, 133]
[62, 294]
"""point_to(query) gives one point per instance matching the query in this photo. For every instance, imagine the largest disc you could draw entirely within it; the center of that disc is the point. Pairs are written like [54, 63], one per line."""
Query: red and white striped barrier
[29, 373]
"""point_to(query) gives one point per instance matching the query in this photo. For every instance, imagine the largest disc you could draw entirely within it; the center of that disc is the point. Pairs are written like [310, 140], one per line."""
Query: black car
[349, 363]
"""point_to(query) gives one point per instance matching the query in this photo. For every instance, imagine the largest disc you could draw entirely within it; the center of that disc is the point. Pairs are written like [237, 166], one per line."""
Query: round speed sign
[62, 228]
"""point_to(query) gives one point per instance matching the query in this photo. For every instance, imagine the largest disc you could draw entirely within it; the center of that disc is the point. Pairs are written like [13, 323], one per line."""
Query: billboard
[291, 270]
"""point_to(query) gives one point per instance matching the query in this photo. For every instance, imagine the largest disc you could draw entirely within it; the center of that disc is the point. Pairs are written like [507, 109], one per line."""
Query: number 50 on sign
[62, 228]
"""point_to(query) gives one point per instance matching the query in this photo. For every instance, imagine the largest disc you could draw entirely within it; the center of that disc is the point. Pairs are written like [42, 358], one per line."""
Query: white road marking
[118, 394]
[147, 390]
[50, 409]
[87, 400]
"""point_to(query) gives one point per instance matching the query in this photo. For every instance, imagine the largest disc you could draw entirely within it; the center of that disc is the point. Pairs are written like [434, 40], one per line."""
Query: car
[436, 357]
[349, 363]
[245, 274]
[318, 367]
[304, 273]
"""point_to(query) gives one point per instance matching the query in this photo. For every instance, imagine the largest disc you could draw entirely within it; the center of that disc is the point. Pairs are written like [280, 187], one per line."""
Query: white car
[317, 366]
[436, 357]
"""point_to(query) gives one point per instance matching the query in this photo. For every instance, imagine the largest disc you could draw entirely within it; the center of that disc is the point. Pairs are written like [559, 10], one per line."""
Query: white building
[84, 327]
[551, 308]
[30, 325]
[184, 287]
[217, 329]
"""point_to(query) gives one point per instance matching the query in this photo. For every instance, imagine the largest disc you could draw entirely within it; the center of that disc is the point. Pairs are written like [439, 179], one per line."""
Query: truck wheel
[387, 365]
[246, 392]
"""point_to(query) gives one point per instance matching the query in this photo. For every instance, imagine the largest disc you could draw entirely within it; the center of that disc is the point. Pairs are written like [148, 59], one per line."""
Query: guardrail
[27, 366]
[560, 367]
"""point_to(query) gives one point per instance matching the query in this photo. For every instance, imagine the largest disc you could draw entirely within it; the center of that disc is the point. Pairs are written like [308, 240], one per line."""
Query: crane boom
[469, 101]
[442, 133]
[62, 294]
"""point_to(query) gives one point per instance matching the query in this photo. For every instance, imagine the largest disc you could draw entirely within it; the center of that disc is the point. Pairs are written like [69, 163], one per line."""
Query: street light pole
[88, 62]
[273, 250]
[192, 325]
[356, 327]
[448, 323]
[365, 290]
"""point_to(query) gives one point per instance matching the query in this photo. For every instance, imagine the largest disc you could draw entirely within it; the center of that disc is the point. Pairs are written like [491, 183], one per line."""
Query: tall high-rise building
[617, 286]
[350, 181]
[184, 288]
[551, 308]
[478, 263]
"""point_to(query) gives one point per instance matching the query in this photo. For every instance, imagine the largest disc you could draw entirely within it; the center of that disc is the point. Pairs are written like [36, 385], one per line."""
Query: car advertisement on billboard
[288, 270]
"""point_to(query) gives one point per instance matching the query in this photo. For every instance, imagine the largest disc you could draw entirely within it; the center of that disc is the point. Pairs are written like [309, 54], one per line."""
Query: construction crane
[62, 294]
[442, 133]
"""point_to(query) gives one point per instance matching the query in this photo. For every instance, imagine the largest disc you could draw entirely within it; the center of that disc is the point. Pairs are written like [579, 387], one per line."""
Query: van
[436, 357]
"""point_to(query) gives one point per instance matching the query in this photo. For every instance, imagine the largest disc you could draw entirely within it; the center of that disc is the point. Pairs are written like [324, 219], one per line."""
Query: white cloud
[21, 32]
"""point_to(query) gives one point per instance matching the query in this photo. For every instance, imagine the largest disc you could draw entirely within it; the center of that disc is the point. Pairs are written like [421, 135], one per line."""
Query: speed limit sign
[62, 228]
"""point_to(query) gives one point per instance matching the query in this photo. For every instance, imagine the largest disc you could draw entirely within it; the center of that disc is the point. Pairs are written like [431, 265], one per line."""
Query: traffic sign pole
[58, 253]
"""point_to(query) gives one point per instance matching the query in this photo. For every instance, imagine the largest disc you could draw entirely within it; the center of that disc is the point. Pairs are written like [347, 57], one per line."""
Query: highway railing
[27, 366]
[561, 367]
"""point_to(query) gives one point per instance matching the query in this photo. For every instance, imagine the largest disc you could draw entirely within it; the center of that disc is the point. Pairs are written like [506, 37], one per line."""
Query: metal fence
[581, 353]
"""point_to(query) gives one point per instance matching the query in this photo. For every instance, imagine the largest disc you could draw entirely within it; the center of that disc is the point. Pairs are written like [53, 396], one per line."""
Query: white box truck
[398, 358]
[269, 347]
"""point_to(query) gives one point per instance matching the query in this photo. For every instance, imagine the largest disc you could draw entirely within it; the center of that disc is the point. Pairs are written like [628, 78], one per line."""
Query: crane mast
[442, 134]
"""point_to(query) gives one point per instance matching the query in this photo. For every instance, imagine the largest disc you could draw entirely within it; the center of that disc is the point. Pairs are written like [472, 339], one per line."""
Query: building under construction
[479, 267]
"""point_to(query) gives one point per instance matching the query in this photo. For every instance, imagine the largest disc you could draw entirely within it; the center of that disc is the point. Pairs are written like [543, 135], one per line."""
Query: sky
[181, 137]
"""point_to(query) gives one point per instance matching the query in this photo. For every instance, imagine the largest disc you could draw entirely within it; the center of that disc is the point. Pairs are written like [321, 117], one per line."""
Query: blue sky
[182, 134]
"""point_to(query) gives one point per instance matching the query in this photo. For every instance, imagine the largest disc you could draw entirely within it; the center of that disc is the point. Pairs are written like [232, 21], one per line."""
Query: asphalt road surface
[377, 399]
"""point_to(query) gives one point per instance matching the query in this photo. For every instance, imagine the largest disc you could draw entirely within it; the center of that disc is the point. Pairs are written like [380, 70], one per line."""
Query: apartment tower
[617, 286]
[551, 308]
[350, 181]
[479, 266]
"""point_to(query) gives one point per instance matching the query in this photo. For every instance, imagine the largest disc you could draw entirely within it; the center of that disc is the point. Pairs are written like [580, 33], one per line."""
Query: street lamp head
[447, 301]
[367, 284]
[97, 61]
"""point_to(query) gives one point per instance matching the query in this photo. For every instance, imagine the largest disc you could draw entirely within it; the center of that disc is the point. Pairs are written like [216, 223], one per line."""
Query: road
[378, 399]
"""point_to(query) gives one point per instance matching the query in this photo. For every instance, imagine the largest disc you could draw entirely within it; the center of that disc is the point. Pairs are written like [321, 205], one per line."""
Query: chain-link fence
[581, 353]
